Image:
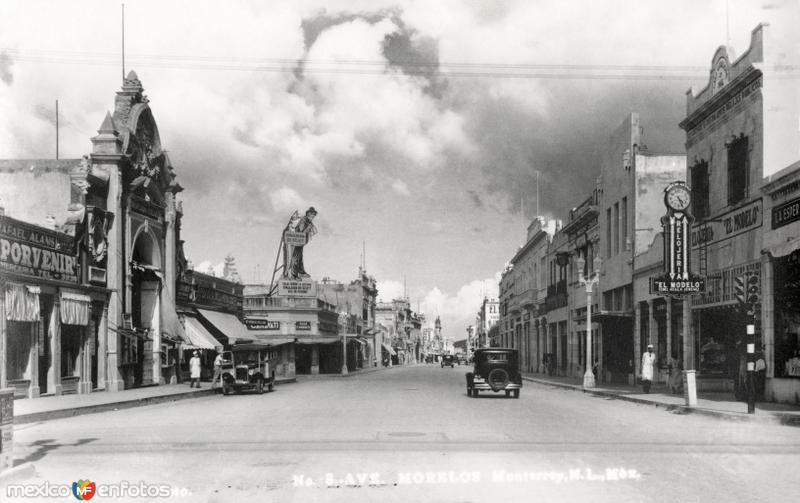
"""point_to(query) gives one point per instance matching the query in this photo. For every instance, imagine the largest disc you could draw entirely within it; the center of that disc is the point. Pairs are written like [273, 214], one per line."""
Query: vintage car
[448, 360]
[245, 367]
[495, 369]
[461, 359]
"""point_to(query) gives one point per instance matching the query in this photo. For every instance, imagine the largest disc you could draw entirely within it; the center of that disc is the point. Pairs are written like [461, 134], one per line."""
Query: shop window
[787, 309]
[738, 165]
[700, 203]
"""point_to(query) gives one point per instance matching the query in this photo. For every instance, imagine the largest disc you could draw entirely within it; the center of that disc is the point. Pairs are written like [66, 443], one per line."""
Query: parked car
[461, 359]
[448, 360]
[245, 367]
[495, 369]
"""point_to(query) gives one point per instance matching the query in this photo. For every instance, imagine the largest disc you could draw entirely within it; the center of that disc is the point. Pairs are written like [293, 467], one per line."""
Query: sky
[426, 133]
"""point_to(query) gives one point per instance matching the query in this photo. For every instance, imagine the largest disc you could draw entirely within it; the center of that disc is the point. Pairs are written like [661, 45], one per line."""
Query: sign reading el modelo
[732, 223]
[33, 251]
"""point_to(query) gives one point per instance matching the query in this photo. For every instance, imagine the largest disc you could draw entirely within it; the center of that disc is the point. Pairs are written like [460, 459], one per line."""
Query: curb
[775, 418]
[104, 407]
[23, 471]
[36, 417]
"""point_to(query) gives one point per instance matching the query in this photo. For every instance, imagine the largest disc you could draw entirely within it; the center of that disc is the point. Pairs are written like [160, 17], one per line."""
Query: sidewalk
[350, 373]
[720, 405]
[46, 408]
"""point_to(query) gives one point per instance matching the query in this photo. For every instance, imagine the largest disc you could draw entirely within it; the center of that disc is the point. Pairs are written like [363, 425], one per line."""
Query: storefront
[51, 325]
[781, 283]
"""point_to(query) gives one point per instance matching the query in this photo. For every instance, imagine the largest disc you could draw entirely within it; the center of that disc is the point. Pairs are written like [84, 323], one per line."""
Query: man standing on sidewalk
[217, 370]
[194, 370]
[648, 362]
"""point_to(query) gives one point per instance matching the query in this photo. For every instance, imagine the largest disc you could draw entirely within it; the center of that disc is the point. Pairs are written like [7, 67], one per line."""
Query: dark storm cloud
[475, 198]
[406, 50]
[5, 68]
[567, 145]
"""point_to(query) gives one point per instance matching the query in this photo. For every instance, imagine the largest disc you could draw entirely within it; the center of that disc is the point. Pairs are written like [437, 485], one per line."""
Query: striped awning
[197, 337]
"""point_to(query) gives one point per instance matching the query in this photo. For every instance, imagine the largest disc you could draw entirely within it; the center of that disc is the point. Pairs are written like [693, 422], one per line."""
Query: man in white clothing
[648, 363]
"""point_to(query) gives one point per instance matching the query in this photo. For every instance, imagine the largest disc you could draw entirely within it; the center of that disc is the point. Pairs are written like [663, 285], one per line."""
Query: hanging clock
[678, 197]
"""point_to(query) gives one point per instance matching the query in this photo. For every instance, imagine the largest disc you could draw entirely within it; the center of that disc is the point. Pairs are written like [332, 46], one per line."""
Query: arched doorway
[145, 308]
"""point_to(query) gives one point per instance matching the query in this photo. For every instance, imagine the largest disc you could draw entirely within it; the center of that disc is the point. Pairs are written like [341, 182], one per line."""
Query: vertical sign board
[677, 278]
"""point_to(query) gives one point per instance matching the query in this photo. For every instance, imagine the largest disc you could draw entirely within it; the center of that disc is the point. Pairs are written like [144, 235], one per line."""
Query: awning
[228, 324]
[783, 249]
[389, 349]
[359, 341]
[197, 337]
[22, 302]
[74, 308]
[318, 340]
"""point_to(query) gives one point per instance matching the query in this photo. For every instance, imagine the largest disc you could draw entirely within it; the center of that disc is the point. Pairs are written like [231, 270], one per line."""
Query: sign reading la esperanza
[33, 251]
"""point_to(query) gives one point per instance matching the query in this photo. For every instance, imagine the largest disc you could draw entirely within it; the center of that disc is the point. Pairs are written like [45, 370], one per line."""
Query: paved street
[412, 434]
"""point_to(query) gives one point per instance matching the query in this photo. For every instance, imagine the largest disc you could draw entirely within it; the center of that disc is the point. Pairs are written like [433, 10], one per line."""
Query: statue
[304, 225]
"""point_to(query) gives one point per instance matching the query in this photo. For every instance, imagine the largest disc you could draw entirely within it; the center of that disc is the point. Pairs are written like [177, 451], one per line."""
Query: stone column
[115, 281]
[688, 336]
[102, 334]
[156, 348]
[33, 360]
[85, 357]
[3, 338]
[54, 336]
[768, 318]
[652, 326]
[315, 359]
[637, 338]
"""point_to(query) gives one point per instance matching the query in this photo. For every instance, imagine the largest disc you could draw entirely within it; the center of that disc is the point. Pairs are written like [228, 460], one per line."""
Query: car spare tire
[497, 379]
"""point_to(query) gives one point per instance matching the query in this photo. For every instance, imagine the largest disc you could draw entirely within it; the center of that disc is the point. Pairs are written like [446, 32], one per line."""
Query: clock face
[678, 197]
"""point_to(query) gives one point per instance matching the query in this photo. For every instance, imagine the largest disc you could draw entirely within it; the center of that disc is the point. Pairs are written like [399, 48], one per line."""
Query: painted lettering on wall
[33, 251]
[727, 225]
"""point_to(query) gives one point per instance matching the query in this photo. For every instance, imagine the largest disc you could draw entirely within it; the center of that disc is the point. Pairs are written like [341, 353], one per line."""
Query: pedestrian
[217, 370]
[648, 362]
[675, 378]
[761, 376]
[194, 370]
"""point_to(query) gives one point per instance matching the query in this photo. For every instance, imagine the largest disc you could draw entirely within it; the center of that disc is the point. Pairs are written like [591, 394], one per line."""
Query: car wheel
[474, 392]
[226, 389]
[497, 379]
[508, 393]
[260, 386]
[516, 393]
[271, 387]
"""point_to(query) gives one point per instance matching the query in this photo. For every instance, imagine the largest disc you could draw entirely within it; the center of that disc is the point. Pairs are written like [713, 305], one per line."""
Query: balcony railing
[556, 295]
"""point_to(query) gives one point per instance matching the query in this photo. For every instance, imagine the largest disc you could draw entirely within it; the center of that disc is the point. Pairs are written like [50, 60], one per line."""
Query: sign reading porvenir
[297, 288]
[34, 251]
[786, 213]
[738, 221]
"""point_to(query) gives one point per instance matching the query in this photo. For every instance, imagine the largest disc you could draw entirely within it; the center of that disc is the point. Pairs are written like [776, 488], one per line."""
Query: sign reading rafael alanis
[34, 251]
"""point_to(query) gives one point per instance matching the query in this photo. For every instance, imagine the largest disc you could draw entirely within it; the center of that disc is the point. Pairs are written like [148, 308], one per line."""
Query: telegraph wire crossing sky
[419, 128]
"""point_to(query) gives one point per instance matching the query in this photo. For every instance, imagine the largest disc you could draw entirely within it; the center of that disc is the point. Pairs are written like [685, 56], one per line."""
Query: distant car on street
[495, 369]
[448, 360]
[461, 359]
[245, 367]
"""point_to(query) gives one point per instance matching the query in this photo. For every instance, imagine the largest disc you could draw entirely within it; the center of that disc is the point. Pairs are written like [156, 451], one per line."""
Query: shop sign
[666, 286]
[727, 225]
[297, 288]
[786, 213]
[302, 325]
[34, 251]
[262, 324]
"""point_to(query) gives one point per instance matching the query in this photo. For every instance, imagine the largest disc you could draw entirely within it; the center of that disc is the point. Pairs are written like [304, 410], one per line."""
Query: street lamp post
[588, 282]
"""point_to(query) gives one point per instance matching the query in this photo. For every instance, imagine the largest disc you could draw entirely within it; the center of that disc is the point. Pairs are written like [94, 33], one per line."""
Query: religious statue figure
[305, 225]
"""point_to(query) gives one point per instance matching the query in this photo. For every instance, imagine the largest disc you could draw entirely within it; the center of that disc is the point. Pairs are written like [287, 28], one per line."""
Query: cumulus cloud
[459, 310]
